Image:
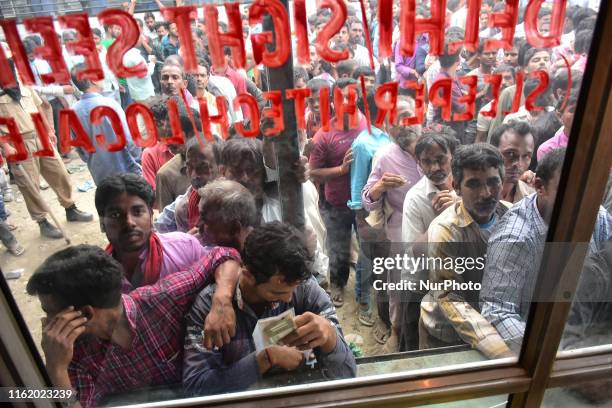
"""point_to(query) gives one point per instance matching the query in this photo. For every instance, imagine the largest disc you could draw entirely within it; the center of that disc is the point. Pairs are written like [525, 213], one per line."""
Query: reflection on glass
[422, 238]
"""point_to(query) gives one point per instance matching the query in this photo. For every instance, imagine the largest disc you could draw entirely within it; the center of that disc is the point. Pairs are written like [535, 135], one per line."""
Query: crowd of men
[198, 252]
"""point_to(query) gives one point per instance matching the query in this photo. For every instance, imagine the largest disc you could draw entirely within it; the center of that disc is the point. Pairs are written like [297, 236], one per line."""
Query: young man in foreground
[99, 342]
[276, 277]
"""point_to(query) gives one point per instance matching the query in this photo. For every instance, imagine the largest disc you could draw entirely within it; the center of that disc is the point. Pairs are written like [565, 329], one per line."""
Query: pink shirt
[559, 140]
[153, 158]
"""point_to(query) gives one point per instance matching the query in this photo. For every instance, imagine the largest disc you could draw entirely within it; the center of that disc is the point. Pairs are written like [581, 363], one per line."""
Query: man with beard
[125, 205]
[356, 40]
[515, 143]
[423, 203]
[171, 180]
[330, 161]
[202, 167]
[275, 278]
[394, 172]
[457, 244]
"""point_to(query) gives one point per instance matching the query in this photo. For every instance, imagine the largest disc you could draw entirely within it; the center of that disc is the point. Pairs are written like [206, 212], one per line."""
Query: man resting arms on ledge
[99, 342]
[276, 277]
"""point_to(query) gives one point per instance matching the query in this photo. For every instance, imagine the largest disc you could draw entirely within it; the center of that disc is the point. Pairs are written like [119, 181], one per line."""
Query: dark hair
[342, 83]
[544, 11]
[505, 68]
[300, 72]
[128, 183]
[347, 66]
[582, 41]
[371, 100]
[276, 248]
[519, 127]
[440, 135]
[561, 79]
[159, 109]
[477, 156]
[228, 202]
[586, 24]
[29, 44]
[544, 98]
[549, 164]
[452, 5]
[81, 275]
[447, 59]
[530, 53]
[216, 145]
[240, 150]
[82, 84]
[316, 84]
[581, 14]
[363, 70]
[96, 31]
[162, 24]
[148, 14]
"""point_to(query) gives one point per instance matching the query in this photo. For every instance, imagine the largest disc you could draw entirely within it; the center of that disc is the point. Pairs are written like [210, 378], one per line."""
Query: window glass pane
[422, 238]
[591, 394]
[496, 401]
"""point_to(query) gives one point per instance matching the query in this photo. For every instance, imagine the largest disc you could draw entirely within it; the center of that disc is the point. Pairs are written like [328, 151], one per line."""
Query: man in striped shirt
[515, 250]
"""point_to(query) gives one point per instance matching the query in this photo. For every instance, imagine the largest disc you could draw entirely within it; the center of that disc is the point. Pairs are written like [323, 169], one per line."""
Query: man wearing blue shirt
[102, 163]
[364, 148]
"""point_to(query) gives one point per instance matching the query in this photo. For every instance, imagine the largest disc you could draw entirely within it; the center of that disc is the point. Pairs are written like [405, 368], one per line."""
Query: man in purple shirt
[394, 172]
[124, 203]
[330, 161]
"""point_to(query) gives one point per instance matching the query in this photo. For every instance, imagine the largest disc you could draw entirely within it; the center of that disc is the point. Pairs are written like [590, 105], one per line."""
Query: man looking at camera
[452, 316]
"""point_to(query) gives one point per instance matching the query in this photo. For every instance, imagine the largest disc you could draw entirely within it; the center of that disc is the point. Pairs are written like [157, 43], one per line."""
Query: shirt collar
[430, 188]
[464, 219]
[131, 311]
[538, 221]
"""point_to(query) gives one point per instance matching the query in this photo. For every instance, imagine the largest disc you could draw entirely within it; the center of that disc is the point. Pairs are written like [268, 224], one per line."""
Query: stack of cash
[271, 330]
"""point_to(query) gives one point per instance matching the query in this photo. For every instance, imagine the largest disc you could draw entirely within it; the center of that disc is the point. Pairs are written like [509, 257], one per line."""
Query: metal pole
[286, 144]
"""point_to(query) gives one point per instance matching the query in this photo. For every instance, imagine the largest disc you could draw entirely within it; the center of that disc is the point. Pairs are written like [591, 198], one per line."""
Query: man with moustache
[515, 143]
[451, 316]
[423, 203]
[125, 206]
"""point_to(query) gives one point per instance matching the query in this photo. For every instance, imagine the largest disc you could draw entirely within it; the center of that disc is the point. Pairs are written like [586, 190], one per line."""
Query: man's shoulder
[177, 237]
[516, 223]
[170, 166]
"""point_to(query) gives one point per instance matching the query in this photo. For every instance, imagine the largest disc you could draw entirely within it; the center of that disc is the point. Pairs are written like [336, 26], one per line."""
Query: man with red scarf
[202, 168]
[124, 203]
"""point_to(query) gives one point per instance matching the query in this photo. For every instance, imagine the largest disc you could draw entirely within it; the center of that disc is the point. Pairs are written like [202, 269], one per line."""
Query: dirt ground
[37, 249]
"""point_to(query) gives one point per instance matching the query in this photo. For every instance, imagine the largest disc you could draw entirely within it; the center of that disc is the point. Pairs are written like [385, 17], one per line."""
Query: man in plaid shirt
[98, 341]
